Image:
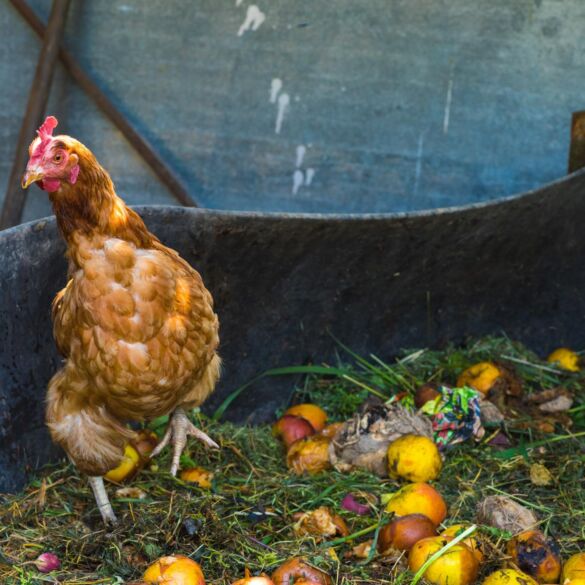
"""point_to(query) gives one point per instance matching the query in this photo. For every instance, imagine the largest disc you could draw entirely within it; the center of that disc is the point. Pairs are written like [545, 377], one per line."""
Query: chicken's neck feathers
[91, 207]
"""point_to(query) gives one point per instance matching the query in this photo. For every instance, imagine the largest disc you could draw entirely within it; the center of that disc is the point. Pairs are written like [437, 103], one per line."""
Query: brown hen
[135, 321]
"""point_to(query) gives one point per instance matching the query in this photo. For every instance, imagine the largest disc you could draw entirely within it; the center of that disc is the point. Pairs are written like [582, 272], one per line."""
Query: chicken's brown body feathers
[135, 323]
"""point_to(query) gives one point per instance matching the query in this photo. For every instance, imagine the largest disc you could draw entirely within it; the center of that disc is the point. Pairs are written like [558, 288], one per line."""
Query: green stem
[355, 535]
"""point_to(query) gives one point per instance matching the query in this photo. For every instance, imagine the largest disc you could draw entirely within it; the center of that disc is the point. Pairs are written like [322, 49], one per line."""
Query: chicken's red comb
[46, 129]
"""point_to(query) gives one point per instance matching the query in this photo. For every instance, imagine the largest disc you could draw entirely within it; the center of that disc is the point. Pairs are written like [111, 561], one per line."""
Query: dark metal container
[281, 282]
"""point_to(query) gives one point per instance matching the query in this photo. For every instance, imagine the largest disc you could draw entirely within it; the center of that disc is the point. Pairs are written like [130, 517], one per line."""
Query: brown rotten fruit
[536, 555]
[297, 571]
[404, 532]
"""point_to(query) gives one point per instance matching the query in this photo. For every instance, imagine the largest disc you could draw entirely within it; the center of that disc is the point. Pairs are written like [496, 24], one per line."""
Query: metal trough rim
[451, 210]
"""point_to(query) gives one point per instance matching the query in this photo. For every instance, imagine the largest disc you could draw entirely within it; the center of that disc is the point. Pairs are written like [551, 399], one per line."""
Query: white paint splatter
[309, 176]
[126, 8]
[419, 158]
[283, 103]
[301, 150]
[448, 107]
[254, 19]
[238, 2]
[275, 87]
[298, 179]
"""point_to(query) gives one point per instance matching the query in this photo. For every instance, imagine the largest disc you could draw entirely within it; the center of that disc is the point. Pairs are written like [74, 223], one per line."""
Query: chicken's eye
[58, 157]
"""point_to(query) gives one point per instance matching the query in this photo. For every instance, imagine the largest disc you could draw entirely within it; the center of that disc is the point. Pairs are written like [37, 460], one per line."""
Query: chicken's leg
[180, 427]
[101, 498]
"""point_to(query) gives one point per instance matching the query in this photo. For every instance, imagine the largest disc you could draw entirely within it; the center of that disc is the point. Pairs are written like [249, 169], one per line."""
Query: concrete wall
[396, 104]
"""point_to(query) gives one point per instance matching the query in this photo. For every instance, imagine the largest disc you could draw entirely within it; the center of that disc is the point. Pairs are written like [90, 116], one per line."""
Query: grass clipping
[245, 520]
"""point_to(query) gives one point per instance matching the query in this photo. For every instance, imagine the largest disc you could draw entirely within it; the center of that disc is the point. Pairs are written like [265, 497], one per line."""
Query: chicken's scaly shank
[135, 322]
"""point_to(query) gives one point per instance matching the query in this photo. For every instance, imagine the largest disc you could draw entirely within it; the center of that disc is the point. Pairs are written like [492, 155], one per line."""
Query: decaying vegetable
[540, 475]
[415, 458]
[321, 523]
[310, 455]
[198, 475]
[128, 467]
[331, 430]
[47, 562]
[145, 443]
[506, 514]
[404, 532]
[295, 570]
[311, 412]
[536, 555]
[291, 428]
[350, 504]
[363, 441]
[490, 413]
[418, 498]
[565, 358]
[174, 570]
[131, 492]
[361, 550]
[552, 400]
[574, 568]
[472, 542]
[457, 566]
[509, 577]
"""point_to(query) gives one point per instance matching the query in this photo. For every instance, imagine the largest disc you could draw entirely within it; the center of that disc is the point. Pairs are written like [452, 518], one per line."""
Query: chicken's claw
[180, 427]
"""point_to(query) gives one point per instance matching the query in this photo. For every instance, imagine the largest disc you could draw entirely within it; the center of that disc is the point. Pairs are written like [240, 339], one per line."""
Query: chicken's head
[51, 159]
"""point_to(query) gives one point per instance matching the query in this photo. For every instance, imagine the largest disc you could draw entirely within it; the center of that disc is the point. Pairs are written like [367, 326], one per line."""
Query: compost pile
[341, 500]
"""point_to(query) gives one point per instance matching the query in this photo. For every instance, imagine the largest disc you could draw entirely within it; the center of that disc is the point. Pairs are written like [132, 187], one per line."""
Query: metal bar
[577, 151]
[165, 174]
[37, 102]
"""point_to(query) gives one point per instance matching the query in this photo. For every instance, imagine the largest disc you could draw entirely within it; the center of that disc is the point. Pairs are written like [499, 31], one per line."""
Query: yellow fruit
[481, 376]
[418, 498]
[509, 577]
[128, 466]
[575, 581]
[473, 542]
[457, 566]
[565, 359]
[574, 568]
[415, 458]
[311, 412]
[174, 570]
[198, 475]
[310, 455]
[536, 555]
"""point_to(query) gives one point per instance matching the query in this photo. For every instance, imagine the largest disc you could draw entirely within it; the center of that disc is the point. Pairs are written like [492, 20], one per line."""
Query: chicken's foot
[180, 427]
[102, 500]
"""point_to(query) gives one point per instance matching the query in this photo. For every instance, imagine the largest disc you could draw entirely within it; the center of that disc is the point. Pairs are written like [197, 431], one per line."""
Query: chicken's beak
[29, 177]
